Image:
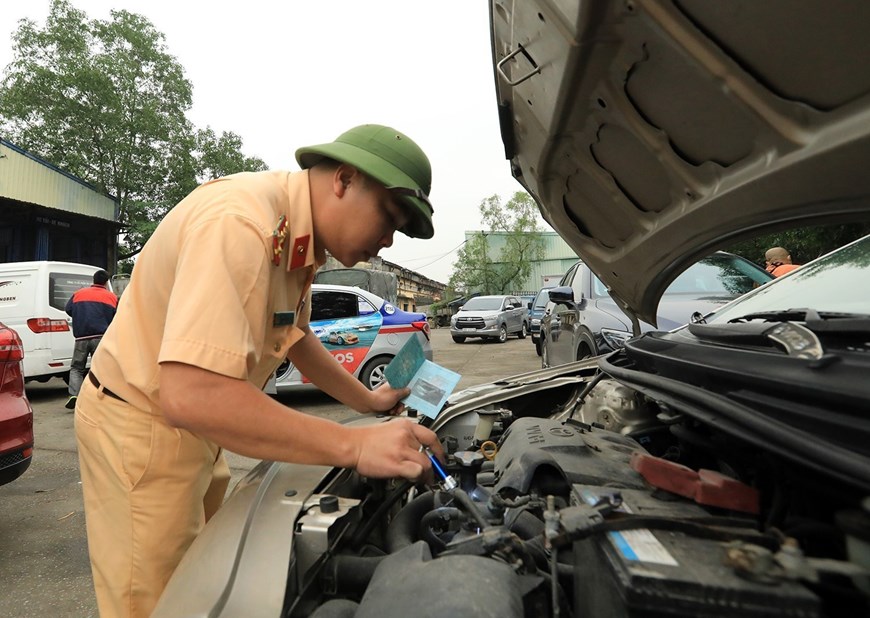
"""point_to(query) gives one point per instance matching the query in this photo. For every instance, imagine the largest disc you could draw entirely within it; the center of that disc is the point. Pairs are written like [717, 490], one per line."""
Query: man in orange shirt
[91, 310]
[219, 297]
[778, 262]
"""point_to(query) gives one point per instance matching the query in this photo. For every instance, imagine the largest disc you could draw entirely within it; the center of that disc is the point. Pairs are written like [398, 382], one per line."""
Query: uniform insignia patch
[278, 238]
[283, 318]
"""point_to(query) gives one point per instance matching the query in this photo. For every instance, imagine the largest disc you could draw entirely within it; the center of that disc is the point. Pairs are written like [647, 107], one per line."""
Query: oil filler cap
[328, 504]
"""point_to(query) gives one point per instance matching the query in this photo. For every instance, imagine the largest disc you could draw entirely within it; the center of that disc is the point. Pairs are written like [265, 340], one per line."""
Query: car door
[584, 318]
[515, 314]
[506, 311]
[345, 324]
[556, 326]
[563, 348]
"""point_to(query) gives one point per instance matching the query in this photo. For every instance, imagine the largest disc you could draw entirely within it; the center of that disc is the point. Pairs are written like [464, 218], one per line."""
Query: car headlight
[615, 338]
[536, 321]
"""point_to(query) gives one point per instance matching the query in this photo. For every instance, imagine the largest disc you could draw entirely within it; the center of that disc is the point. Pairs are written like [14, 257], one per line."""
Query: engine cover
[535, 449]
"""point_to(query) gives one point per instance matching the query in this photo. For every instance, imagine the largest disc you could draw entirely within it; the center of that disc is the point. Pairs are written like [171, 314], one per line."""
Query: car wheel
[502, 333]
[523, 331]
[340, 341]
[586, 348]
[458, 339]
[538, 347]
[372, 374]
[282, 369]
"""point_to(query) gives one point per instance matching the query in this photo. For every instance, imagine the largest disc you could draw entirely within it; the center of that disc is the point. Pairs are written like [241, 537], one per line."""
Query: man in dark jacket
[92, 310]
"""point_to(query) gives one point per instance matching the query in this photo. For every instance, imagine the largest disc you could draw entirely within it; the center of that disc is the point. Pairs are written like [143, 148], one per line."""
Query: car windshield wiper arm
[824, 321]
[784, 315]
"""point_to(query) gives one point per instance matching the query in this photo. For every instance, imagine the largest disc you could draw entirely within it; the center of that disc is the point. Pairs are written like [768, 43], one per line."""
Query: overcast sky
[284, 74]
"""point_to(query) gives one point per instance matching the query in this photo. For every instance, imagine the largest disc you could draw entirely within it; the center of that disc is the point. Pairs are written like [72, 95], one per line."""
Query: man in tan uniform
[220, 295]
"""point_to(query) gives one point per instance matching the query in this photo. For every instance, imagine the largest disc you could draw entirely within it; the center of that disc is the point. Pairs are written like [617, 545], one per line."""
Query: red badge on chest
[299, 251]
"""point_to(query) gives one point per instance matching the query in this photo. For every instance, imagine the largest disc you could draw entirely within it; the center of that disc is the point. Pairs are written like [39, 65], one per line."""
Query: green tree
[220, 156]
[106, 101]
[498, 259]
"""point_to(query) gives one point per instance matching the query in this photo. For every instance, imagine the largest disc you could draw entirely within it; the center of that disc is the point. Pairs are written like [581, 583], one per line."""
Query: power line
[443, 256]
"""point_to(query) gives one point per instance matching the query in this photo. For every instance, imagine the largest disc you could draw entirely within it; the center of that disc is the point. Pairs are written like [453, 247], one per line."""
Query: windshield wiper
[796, 340]
[783, 315]
[832, 322]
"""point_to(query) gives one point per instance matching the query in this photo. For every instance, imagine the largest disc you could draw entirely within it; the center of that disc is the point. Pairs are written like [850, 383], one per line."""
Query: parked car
[583, 320]
[722, 469]
[33, 296]
[16, 415]
[361, 330]
[537, 308]
[490, 317]
[343, 338]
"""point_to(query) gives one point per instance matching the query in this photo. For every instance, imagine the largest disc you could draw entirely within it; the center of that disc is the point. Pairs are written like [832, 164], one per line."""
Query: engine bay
[594, 500]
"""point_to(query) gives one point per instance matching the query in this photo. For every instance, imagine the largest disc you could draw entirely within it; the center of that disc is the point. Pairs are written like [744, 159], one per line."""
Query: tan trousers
[148, 490]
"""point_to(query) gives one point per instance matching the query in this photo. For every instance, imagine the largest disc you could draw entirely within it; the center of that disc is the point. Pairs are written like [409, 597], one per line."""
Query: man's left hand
[387, 400]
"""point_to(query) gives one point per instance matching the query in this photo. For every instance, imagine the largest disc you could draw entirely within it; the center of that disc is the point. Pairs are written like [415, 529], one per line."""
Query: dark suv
[583, 320]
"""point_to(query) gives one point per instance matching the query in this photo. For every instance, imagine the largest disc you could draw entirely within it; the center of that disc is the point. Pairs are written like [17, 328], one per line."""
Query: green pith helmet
[390, 157]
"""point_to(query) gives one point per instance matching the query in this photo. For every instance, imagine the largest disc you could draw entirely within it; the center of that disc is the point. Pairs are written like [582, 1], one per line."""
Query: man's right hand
[393, 449]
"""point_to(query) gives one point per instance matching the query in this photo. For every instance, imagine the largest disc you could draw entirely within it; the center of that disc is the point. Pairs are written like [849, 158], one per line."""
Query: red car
[16, 415]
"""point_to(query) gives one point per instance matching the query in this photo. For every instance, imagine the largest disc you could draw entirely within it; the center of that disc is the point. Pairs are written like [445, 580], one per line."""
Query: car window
[542, 299]
[365, 307]
[833, 283]
[569, 276]
[327, 305]
[62, 285]
[718, 274]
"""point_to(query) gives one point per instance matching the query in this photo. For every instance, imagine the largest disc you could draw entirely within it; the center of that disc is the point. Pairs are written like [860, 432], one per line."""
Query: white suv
[492, 317]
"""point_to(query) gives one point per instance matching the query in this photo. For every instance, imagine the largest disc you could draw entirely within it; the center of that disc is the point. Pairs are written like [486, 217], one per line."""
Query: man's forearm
[243, 419]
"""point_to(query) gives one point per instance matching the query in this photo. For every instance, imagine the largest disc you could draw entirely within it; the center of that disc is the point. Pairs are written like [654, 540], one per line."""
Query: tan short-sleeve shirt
[206, 289]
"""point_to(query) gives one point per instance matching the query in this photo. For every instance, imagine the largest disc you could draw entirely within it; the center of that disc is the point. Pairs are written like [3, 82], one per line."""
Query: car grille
[10, 459]
[470, 322]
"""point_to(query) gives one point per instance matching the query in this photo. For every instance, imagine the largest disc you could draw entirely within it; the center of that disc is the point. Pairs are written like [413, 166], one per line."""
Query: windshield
[483, 304]
[717, 275]
[837, 282]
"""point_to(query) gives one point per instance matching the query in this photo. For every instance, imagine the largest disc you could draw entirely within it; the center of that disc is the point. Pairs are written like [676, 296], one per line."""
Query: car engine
[598, 502]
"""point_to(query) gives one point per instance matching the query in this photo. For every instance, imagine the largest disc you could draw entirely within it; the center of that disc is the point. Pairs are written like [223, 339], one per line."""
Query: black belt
[96, 383]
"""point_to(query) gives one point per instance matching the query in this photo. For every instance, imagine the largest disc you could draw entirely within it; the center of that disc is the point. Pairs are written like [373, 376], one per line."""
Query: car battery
[654, 573]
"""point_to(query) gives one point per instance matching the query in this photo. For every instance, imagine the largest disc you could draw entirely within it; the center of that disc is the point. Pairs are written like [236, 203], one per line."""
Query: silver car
[491, 317]
[361, 330]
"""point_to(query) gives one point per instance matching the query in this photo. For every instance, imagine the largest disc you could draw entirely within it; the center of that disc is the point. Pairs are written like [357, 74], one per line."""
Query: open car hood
[652, 133]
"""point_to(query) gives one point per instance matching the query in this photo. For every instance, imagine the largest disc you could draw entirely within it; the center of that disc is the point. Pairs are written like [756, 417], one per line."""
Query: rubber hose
[403, 528]
[349, 575]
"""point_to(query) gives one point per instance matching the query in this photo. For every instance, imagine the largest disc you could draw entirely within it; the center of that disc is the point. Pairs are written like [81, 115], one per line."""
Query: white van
[33, 298]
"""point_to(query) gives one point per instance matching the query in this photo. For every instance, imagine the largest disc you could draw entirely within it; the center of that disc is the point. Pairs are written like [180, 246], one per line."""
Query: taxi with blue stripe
[361, 330]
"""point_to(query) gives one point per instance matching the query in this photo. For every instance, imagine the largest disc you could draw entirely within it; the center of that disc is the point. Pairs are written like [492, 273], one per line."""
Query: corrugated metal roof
[27, 178]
